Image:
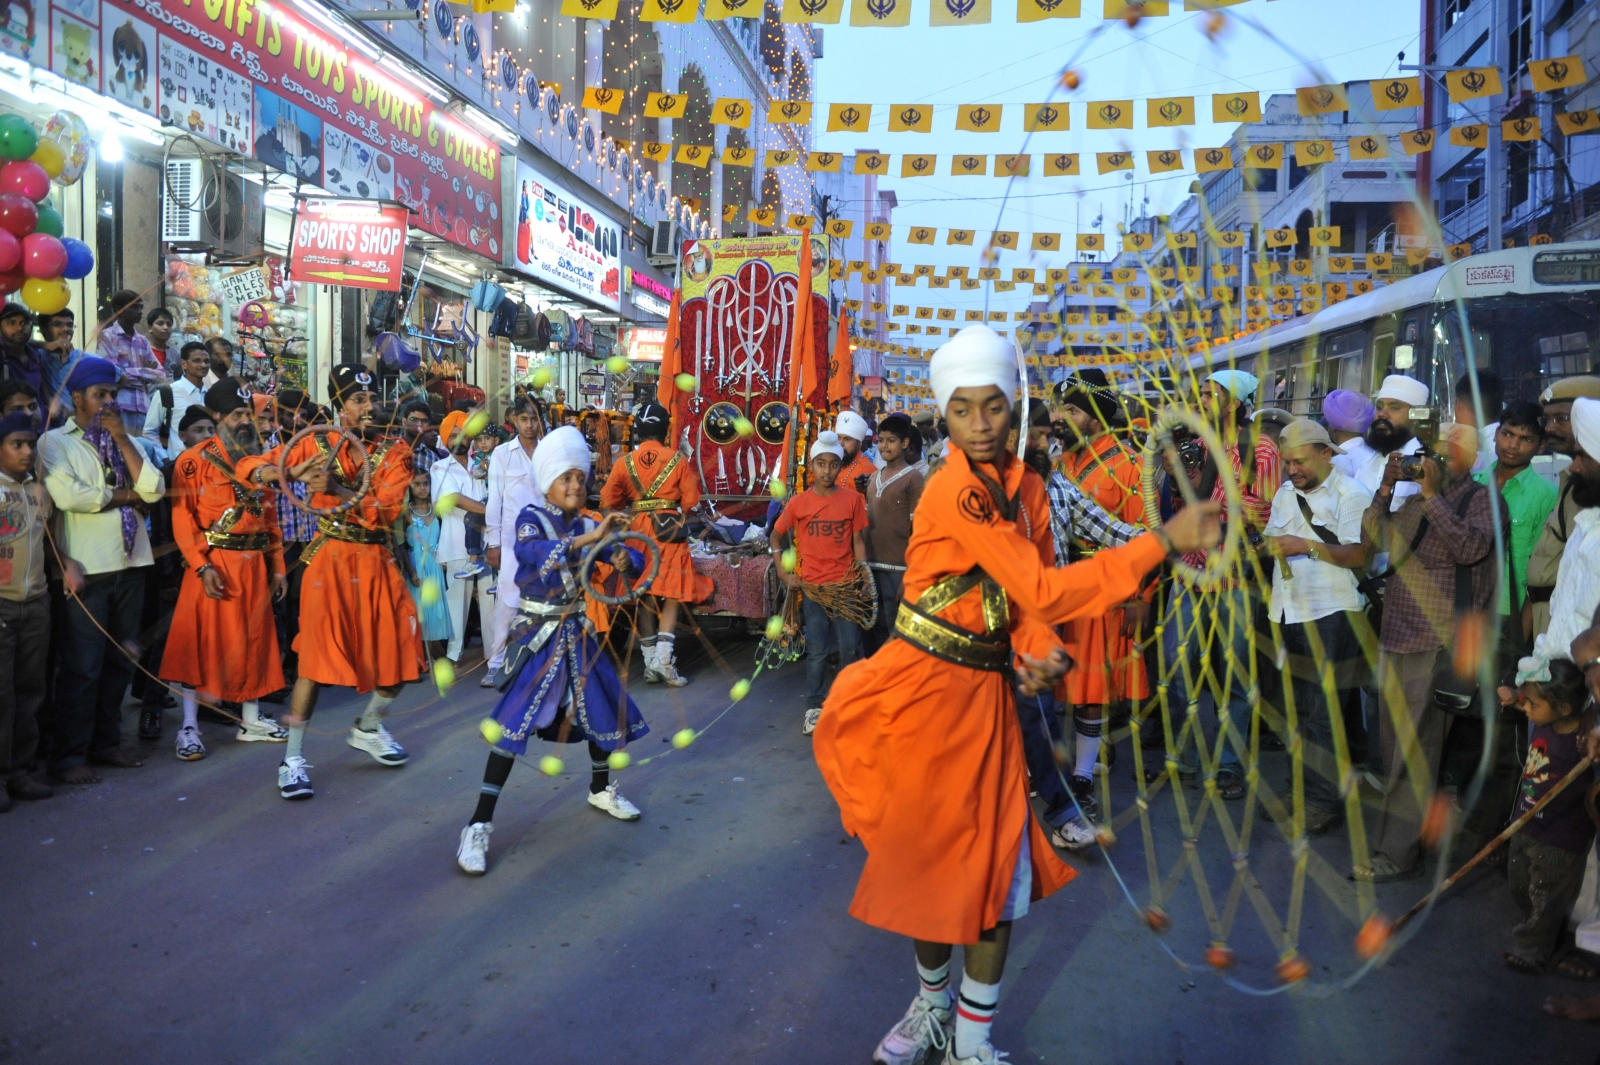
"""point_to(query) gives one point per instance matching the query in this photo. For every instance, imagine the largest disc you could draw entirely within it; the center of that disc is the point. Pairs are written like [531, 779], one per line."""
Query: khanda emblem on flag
[910, 115]
[781, 158]
[1322, 236]
[839, 228]
[850, 116]
[1471, 133]
[1047, 5]
[1046, 240]
[1369, 145]
[602, 97]
[1556, 70]
[1322, 97]
[691, 152]
[1473, 81]
[1230, 239]
[1117, 158]
[921, 234]
[920, 163]
[825, 158]
[792, 110]
[736, 155]
[1167, 158]
[980, 116]
[670, 7]
[970, 162]
[960, 8]
[1237, 106]
[1316, 149]
[1172, 110]
[1110, 113]
[881, 9]
[960, 236]
[872, 162]
[1045, 117]
[1421, 137]
[813, 7]
[1577, 118]
[1266, 152]
[590, 5]
[1214, 156]
[1523, 126]
[733, 110]
[1281, 236]
[1397, 92]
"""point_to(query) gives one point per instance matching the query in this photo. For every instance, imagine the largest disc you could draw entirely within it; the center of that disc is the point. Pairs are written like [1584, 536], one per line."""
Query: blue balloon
[80, 260]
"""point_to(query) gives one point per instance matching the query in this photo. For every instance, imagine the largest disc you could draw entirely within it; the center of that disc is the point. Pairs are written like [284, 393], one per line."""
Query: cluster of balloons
[34, 256]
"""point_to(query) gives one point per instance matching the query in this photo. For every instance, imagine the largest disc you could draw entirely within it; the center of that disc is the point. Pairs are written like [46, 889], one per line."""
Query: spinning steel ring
[651, 551]
[1220, 558]
[361, 490]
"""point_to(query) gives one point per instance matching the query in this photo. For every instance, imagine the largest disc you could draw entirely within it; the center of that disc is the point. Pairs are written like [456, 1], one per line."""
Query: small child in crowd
[1547, 857]
[422, 541]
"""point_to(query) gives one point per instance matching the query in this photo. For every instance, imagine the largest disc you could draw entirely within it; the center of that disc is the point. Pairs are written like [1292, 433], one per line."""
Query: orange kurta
[860, 466]
[1107, 666]
[676, 579]
[358, 622]
[227, 648]
[924, 756]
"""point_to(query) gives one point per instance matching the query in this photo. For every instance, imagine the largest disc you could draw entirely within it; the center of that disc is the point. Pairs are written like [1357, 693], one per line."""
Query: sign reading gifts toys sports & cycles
[262, 80]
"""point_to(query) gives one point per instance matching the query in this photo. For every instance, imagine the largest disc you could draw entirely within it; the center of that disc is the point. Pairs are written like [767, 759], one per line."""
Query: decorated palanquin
[736, 329]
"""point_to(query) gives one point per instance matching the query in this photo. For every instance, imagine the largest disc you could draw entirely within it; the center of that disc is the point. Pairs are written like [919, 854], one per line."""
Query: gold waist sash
[238, 541]
[351, 533]
[647, 506]
[989, 651]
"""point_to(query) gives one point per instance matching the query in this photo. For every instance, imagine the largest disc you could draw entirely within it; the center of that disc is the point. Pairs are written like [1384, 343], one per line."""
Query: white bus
[1533, 315]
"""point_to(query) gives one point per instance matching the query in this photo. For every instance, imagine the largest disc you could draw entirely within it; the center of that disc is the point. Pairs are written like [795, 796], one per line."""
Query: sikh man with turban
[358, 621]
[223, 643]
[1560, 401]
[854, 432]
[920, 744]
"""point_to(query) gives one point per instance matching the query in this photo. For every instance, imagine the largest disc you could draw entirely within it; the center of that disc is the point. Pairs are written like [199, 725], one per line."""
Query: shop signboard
[646, 294]
[268, 82]
[565, 241]
[592, 382]
[644, 344]
[352, 243]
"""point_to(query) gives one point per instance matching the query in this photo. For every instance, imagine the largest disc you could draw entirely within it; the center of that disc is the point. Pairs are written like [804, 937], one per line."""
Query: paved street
[184, 913]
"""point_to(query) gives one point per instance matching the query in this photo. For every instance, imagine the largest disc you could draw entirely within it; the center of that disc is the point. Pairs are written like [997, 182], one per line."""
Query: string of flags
[887, 14]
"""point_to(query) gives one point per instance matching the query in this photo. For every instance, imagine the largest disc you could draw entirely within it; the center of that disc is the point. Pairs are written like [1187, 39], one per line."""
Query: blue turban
[18, 422]
[1240, 385]
[1347, 411]
[90, 371]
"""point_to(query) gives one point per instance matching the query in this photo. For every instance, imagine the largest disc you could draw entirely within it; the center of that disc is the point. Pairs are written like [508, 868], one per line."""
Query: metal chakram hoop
[635, 590]
[1160, 444]
[366, 471]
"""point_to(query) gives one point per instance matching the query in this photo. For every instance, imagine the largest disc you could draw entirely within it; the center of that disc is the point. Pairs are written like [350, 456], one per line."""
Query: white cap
[1406, 389]
[853, 425]
[827, 443]
[974, 357]
[1586, 424]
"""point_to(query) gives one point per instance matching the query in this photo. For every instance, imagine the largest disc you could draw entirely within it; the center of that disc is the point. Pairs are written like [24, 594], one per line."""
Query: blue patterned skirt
[543, 697]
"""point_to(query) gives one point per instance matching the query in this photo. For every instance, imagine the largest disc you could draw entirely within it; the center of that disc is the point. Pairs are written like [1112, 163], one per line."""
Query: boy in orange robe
[1107, 667]
[223, 643]
[920, 744]
[358, 622]
[658, 483]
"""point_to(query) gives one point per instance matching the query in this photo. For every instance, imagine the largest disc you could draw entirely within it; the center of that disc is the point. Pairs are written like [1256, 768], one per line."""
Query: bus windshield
[1528, 340]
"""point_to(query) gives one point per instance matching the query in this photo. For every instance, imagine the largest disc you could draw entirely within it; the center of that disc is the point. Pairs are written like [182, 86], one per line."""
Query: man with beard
[1546, 558]
[222, 644]
[1107, 667]
[1391, 432]
[853, 436]
[358, 622]
[423, 438]
[20, 358]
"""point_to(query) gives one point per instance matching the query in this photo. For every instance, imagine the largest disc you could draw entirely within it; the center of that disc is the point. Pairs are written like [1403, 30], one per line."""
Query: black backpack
[504, 323]
[532, 330]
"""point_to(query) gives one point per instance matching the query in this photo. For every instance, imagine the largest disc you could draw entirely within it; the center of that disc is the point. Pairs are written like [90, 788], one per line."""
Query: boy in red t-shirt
[827, 526]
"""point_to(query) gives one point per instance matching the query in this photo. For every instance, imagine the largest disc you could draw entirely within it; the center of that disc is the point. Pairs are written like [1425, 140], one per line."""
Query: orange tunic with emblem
[358, 622]
[1106, 665]
[226, 648]
[676, 579]
[925, 756]
[860, 466]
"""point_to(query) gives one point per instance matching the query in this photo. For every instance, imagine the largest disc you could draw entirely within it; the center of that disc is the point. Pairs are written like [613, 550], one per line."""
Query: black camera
[1191, 452]
[1425, 426]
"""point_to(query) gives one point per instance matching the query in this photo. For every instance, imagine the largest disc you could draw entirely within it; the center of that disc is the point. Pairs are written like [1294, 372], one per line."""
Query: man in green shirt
[1528, 499]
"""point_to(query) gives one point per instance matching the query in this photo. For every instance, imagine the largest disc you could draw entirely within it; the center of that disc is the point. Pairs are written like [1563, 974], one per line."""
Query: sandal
[1575, 966]
[1523, 965]
[1384, 871]
[1230, 787]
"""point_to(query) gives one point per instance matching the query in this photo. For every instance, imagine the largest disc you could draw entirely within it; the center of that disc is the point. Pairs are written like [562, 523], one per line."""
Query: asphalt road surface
[182, 912]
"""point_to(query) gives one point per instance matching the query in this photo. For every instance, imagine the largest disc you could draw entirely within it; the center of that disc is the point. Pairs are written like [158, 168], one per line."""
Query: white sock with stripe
[974, 1015]
[935, 984]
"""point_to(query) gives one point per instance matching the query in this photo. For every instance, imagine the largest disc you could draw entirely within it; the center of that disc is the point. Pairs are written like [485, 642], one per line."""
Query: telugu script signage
[565, 241]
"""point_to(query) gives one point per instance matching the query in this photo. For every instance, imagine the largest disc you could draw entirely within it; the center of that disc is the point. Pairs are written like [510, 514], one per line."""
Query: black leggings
[498, 771]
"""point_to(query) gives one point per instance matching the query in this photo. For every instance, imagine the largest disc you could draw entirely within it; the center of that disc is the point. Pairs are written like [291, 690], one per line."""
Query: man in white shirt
[96, 476]
[511, 487]
[1315, 533]
[454, 476]
[171, 402]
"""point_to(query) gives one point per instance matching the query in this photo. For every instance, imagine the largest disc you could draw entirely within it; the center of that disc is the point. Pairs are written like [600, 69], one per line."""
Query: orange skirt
[226, 648]
[358, 622]
[1106, 665]
[676, 579]
[925, 760]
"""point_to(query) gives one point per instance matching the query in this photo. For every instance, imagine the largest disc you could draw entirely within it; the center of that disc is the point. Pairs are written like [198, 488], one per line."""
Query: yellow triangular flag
[1472, 83]
[1169, 111]
[730, 111]
[1321, 100]
[790, 112]
[607, 101]
[1391, 94]
[978, 118]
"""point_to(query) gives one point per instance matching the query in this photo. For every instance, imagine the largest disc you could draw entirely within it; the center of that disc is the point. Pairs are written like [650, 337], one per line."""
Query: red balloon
[25, 178]
[10, 281]
[10, 251]
[43, 256]
[18, 215]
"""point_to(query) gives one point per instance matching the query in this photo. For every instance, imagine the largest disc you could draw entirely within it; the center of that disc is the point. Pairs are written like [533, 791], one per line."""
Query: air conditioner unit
[210, 208]
[666, 240]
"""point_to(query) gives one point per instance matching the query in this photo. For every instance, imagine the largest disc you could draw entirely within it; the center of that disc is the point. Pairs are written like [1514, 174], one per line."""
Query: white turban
[827, 443]
[1407, 390]
[1586, 425]
[852, 425]
[974, 357]
[561, 450]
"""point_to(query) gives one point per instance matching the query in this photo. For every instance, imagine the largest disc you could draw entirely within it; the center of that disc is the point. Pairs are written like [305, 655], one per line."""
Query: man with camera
[1442, 530]
[1315, 534]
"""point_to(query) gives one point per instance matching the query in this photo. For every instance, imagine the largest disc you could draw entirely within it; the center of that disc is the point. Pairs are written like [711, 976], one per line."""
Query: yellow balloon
[492, 730]
[45, 295]
[50, 156]
[550, 765]
[682, 738]
[430, 592]
[619, 760]
[444, 675]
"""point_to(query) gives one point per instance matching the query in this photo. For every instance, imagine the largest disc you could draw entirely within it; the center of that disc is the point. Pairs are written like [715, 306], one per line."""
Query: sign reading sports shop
[353, 243]
[261, 80]
[566, 242]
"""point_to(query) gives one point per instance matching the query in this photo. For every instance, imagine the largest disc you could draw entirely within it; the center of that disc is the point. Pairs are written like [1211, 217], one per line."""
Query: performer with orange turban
[358, 622]
[920, 743]
[223, 643]
[662, 489]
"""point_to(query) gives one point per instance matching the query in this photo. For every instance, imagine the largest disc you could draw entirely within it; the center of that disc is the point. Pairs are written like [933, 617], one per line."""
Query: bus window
[1344, 365]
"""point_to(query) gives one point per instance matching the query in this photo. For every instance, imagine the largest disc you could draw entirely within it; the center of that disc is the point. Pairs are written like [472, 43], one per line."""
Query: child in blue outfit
[422, 540]
[558, 684]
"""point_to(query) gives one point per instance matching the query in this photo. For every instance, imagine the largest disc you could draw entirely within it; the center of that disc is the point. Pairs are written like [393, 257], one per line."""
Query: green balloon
[49, 221]
[18, 140]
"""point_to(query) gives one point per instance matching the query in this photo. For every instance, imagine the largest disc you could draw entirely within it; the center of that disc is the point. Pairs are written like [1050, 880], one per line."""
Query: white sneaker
[812, 717]
[924, 1026]
[190, 749]
[473, 854]
[266, 730]
[1072, 835]
[293, 780]
[490, 679]
[986, 1055]
[614, 804]
[652, 666]
[667, 669]
[379, 744]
